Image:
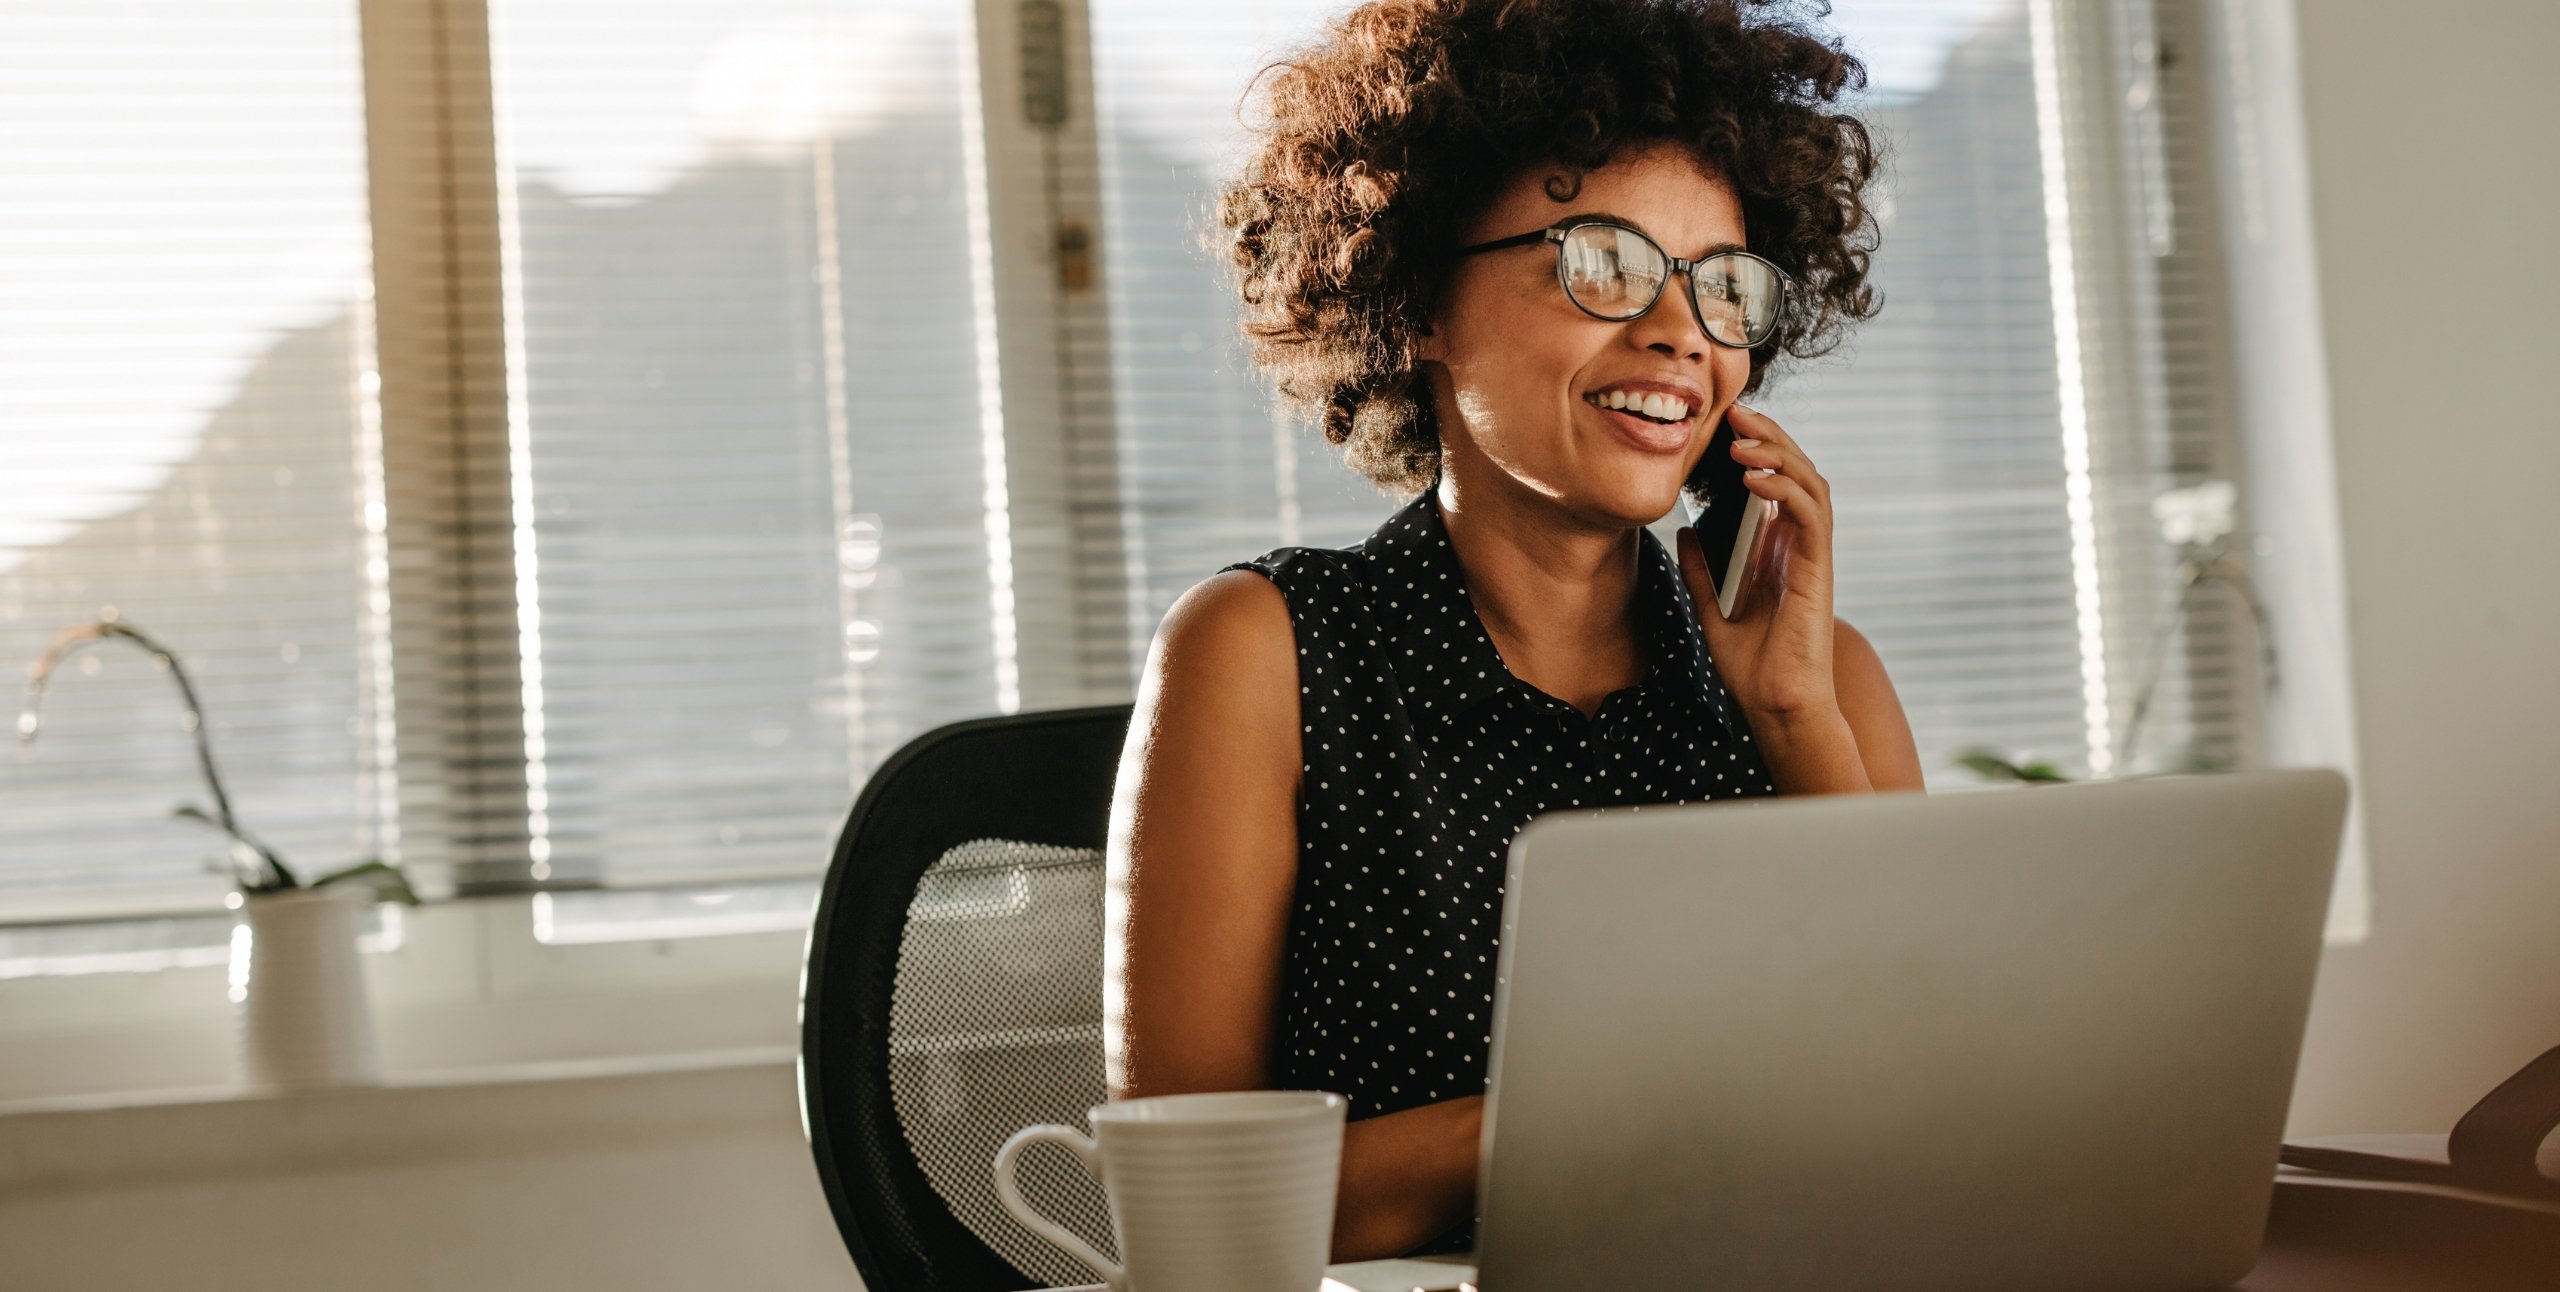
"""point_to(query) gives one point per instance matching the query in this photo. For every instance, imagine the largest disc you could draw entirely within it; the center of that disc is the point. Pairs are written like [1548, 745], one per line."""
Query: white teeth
[1653, 404]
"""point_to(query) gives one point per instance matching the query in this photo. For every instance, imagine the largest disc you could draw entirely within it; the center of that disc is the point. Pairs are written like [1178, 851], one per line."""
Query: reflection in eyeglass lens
[1616, 273]
[1721, 302]
[1611, 272]
[1737, 297]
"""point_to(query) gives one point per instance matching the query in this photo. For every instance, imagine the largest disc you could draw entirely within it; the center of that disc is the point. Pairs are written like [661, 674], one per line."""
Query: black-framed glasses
[1615, 273]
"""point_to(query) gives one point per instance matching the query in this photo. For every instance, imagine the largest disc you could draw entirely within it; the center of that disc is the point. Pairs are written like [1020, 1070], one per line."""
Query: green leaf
[386, 880]
[253, 865]
[1992, 767]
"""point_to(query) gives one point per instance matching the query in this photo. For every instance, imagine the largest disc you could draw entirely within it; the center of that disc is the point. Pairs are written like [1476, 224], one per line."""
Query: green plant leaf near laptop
[255, 869]
[1991, 766]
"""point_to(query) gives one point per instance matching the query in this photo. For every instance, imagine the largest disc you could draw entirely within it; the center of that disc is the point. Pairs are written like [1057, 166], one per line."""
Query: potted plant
[2199, 521]
[296, 984]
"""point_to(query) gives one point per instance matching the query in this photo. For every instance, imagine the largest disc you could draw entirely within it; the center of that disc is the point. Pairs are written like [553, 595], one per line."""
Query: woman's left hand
[1775, 655]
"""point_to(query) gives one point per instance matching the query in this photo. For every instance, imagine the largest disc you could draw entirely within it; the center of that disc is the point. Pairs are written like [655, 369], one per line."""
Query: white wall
[610, 1115]
[662, 1179]
[2433, 191]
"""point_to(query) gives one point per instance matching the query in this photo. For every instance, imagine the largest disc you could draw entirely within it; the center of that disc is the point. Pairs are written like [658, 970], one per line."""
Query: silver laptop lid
[2020, 1039]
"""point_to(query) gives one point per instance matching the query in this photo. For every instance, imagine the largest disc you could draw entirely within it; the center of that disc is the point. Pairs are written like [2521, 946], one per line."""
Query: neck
[1552, 590]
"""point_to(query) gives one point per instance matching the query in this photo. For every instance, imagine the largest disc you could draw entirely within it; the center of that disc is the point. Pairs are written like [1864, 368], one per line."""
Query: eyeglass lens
[1616, 273]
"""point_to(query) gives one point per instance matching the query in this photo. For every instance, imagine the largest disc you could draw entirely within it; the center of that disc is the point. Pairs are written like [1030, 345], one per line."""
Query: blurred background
[569, 444]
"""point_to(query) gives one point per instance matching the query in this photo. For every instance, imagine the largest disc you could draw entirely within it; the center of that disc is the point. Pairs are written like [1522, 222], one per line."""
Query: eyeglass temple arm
[1516, 240]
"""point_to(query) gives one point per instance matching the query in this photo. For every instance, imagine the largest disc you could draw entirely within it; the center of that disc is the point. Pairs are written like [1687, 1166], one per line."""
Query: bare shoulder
[1874, 711]
[1223, 672]
[1203, 854]
[1851, 652]
[1230, 622]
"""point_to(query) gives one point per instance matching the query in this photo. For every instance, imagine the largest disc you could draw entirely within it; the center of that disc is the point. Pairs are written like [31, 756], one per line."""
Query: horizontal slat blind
[185, 437]
[1942, 425]
[2207, 706]
[1938, 425]
[1210, 473]
[682, 503]
[749, 372]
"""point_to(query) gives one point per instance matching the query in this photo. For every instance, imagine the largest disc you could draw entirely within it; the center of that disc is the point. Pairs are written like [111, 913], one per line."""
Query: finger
[1812, 515]
[1782, 546]
[1785, 461]
[1751, 423]
[1783, 454]
[1693, 565]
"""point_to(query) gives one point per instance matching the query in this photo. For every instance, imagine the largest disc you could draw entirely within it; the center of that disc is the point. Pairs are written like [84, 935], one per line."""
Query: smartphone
[1734, 527]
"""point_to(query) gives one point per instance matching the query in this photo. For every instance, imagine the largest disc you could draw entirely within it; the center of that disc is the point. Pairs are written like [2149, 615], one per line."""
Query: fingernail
[1765, 471]
[1746, 444]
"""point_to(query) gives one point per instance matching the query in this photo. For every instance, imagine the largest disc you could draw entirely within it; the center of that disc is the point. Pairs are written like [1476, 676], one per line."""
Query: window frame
[467, 666]
[454, 463]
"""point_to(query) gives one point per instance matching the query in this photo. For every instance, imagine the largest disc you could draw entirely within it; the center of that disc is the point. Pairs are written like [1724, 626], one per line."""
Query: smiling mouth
[1659, 409]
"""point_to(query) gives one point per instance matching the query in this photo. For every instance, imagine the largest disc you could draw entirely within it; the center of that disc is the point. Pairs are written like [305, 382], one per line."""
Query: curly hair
[1388, 136]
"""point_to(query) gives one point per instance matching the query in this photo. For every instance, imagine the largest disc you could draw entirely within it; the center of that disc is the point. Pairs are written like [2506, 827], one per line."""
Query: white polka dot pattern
[1421, 757]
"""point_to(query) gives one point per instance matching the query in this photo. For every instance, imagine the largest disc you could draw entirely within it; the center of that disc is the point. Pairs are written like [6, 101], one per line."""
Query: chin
[1631, 500]
[1625, 488]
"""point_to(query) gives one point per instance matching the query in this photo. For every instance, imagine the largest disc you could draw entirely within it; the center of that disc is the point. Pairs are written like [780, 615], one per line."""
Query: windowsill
[419, 1121]
[469, 996]
[554, 1070]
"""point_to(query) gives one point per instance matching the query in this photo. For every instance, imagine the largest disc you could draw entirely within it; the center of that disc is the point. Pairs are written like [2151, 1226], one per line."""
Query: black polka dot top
[1422, 756]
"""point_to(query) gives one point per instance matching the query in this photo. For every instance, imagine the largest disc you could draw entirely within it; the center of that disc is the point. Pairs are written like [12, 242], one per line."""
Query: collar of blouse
[1448, 665]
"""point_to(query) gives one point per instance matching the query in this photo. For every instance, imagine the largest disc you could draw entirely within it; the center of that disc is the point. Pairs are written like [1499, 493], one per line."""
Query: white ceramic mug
[1208, 1193]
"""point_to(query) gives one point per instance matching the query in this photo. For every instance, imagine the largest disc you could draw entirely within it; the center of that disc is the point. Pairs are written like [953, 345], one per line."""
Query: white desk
[2323, 1235]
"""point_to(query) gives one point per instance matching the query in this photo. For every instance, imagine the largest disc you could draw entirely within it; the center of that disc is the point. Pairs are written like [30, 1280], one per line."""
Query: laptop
[2016, 1039]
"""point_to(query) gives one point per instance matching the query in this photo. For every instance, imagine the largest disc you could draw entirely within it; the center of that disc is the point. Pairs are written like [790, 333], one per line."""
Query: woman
[1448, 243]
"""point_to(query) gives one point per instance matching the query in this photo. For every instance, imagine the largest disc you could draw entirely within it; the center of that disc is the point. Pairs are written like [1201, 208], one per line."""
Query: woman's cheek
[1733, 372]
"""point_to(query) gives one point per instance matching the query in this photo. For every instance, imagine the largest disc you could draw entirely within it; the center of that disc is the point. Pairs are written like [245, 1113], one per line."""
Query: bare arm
[1204, 847]
[1873, 710]
[1862, 743]
[1203, 868]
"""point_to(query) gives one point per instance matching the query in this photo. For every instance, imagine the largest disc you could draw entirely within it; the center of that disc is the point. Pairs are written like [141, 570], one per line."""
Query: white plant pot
[298, 993]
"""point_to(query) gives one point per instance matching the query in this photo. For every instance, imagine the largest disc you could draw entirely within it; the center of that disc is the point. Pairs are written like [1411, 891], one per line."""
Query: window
[2041, 373]
[1213, 473]
[751, 405]
[714, 394]
[186, 443]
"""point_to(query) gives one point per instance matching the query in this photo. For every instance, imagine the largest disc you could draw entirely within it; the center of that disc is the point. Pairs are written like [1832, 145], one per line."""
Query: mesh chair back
[953, 994]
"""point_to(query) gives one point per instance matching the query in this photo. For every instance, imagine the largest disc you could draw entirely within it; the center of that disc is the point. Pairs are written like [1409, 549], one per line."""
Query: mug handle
[1011, 1196]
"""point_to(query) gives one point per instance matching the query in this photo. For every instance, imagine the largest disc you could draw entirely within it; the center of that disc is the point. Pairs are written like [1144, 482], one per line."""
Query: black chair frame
[1041, 778]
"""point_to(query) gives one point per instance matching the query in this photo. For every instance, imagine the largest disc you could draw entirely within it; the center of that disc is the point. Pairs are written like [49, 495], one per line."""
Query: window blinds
[748, 363]
[185, 367]
[704, 471]
[1212, 472]
[1939, 424]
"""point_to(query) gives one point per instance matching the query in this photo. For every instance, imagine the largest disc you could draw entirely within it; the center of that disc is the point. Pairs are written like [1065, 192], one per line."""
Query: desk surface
[2323, 1235]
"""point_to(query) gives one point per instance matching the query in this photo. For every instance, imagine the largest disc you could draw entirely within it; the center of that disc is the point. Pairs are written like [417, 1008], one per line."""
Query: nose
[1671, 327]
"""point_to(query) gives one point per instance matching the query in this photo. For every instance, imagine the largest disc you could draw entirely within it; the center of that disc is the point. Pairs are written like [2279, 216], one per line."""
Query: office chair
[952, 994]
